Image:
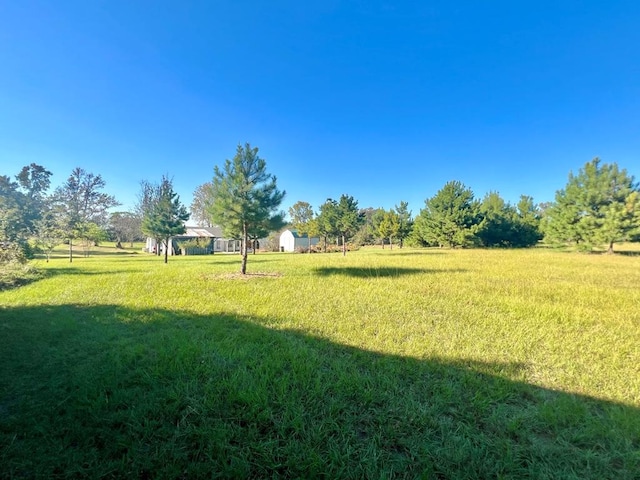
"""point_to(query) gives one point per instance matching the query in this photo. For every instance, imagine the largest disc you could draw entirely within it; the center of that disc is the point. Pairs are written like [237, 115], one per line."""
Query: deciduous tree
[388, 227]
[78, 202]
[125, 227]
[302, 216]
[201, 204]
[14, 229]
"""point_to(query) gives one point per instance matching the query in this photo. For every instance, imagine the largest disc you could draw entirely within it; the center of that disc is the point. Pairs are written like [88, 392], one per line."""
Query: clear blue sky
[382, 100]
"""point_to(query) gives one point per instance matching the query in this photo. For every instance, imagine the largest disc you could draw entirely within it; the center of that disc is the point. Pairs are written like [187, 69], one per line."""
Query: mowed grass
[380, 364]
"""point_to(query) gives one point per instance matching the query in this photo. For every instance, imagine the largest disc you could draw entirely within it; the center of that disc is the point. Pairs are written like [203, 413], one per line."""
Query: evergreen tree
[245, 197]
[348, 219]
[497, 226]
[405, 222]
[272, 223]
[327, 221]
[166, 216]
[599, 206]
[528, 226]
[504, 225]
[450, 217]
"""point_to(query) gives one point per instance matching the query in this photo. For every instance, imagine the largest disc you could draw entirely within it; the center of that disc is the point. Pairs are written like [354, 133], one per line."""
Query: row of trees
[600, 205]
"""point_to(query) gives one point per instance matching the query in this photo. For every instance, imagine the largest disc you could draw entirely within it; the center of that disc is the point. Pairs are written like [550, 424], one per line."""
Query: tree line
[599, 206]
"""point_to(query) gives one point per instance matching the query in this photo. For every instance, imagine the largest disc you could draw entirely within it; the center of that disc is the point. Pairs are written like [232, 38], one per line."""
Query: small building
[291, 240]
[197, 241]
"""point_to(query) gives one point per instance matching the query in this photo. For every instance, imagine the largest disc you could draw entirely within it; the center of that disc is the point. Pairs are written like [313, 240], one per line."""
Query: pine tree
[245, 197]
[347, 219]
[165, 216]
[450, 217]
[599, 206]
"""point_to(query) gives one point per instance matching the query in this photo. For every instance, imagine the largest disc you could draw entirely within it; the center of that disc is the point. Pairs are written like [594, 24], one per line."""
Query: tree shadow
[378, 272]
[84, 271]
[628, 253]
[401, 252]
[108, 391]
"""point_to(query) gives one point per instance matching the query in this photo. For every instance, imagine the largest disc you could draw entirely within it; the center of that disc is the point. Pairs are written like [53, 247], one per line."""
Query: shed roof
[296, 234]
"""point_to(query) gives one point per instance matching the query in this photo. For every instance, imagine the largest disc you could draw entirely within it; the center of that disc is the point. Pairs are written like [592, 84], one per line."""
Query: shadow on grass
[84, 271]
[397, 252]
[14, 276]
[628, 253]
[114, 392]
[377, 272]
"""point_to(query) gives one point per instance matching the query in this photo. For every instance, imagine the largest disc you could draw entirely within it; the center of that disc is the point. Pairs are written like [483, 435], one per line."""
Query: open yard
[381, 364]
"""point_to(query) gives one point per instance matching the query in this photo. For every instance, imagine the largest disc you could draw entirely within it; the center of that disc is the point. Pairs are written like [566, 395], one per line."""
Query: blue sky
[385, 101]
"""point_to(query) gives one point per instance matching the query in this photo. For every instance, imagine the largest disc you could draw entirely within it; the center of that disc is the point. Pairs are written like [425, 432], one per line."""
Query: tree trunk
[344, 246]
[70, 250]
[390, 243]
[166, 250]
[610, 250]
[309, 238]
[243, 249]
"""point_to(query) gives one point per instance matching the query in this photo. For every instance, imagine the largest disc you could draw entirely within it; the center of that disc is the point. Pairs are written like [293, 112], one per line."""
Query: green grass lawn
[381, 364]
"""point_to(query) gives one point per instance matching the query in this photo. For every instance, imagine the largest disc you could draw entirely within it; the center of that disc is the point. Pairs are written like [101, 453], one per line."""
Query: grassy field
[381, 364]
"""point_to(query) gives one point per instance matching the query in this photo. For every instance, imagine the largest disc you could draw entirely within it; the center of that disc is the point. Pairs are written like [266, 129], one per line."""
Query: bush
[14, 274]
[11, 252]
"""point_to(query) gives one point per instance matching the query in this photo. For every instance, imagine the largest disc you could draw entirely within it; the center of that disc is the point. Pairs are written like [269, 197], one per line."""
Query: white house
[290, 240]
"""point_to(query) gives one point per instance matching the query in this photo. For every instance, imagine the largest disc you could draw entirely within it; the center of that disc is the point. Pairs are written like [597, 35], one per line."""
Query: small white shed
[290, 240]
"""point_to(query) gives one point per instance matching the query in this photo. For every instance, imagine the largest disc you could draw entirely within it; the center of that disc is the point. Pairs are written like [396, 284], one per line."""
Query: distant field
[404, 363]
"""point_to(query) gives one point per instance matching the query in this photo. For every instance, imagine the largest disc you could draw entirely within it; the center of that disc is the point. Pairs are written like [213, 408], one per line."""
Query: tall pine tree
[245, 197]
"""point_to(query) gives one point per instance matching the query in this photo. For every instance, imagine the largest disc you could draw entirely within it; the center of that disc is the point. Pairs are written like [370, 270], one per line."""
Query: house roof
[203, 232]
